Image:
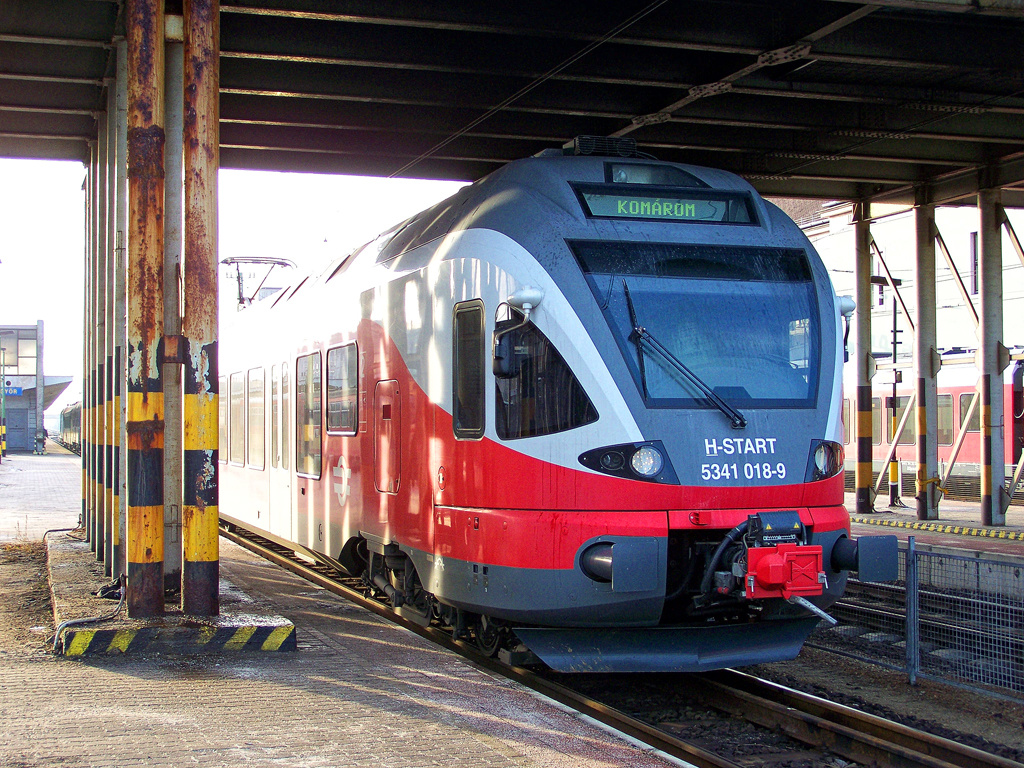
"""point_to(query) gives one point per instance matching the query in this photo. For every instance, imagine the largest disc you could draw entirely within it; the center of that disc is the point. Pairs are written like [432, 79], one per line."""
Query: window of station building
[18, 349]
[342, 389]
[236, 418]
[285, 416]
[222, 419]
[944, 429]
[308, 415]
[468, 408]
[538, 394]
[876, 421]
[846, 421]
[909, 434]
[974, 425]
[256, 407]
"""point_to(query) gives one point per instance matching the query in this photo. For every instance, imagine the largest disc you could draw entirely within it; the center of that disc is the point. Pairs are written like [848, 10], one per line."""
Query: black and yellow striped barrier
[961, 530]
[178, 640]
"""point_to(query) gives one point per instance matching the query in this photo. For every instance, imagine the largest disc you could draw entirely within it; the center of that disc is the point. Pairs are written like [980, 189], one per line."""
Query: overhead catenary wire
[618, 30]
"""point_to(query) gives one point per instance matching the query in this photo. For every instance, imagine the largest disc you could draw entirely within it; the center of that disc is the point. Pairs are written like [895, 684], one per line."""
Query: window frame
[350, 348]
[301, 460]
[476, 431]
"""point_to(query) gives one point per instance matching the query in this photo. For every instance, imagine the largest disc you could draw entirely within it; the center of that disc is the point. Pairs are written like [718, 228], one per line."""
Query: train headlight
[647, 461]
[632, 461]
[826, 460]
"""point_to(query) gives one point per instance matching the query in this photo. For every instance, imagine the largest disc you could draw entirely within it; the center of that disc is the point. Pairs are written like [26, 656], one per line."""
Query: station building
[27, 392]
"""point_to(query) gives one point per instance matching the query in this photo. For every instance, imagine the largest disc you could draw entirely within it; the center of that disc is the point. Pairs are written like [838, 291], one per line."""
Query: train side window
[975, 423]
[909, 434]
[846, 421]
[540, 395]
[222, 420]
[944, 430]
[256, 407]
[308, 415]
[468, 407]
[236, 419]
[285, 416]
[275, 416]
[343, 389]
[876, 421]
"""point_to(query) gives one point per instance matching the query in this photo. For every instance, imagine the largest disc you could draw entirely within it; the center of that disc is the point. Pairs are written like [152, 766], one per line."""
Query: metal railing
[950, 617]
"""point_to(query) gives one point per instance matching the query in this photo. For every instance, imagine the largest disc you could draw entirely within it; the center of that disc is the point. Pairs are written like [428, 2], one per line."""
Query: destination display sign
[676, 205]
[12, 391]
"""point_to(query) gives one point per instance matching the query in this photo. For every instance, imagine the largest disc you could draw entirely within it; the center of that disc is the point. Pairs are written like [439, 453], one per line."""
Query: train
[955, 383]
[585, 411]
[70, 428]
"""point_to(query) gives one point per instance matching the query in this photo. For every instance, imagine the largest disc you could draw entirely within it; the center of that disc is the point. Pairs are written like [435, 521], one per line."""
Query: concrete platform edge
[75, 576]
[962, 530]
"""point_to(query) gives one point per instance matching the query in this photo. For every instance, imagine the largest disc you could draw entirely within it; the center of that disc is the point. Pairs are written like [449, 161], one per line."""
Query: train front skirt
[667, 649]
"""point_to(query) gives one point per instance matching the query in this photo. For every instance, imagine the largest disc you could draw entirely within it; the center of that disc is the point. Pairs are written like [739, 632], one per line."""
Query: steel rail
[805, 718]
[846, 731]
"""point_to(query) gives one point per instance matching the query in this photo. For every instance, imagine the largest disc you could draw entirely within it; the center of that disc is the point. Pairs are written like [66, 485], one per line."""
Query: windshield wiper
[641, 336]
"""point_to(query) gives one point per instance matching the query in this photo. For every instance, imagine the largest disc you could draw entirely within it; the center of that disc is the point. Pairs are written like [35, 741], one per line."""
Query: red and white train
[589, 404]
[956, 382]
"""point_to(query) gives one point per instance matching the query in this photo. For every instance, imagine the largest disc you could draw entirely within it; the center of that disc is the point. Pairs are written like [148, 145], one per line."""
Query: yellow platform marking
[988, 533]
[277, 637]
[80, 641]
[239, 639]
[122, 639]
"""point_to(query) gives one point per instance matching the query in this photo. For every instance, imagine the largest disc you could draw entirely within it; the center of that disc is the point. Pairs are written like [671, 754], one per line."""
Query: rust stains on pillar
[145, 427]
[200, 554]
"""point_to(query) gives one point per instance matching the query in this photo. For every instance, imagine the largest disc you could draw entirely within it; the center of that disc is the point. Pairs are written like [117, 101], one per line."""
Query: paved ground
[34, 498]
[359, 692]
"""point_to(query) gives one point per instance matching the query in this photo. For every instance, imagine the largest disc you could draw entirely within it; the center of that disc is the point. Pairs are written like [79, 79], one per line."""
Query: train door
[387, 444]
[1017, 411]
[280, 451]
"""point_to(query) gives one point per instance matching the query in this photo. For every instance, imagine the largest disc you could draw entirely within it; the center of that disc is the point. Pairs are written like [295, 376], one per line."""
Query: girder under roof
[805, 98]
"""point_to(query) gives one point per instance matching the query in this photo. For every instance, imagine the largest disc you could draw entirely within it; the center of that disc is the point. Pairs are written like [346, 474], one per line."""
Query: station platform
[959, 526]
[358, 691]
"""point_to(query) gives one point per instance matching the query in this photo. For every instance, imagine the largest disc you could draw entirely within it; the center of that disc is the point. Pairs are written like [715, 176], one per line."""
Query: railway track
[824, 727]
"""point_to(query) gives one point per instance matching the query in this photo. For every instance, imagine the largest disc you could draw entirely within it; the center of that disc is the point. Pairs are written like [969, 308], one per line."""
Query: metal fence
[951, 617]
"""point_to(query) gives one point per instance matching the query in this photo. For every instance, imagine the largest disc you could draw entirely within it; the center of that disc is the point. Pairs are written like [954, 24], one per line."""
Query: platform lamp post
[897, 377]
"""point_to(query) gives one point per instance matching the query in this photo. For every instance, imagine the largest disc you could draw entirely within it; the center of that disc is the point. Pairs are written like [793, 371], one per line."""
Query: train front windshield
[739, 321]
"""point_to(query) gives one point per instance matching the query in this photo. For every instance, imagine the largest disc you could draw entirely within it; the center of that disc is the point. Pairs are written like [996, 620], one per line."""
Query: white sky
[303, 217]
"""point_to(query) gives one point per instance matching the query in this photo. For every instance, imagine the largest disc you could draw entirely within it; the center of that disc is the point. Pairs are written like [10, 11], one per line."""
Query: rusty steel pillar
[862, 271]
[86, 416]
[110, 416]
[120, 505]
[991, 361]
[90, 401]
[926, 362]
[144, 21]
[100, 329]
[173, 222]
[201, 553]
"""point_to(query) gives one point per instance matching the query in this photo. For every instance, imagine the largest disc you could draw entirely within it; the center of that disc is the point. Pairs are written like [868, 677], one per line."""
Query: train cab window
[893, 417]
[256, 413]
[285, 416]
[236, 419]
[846, 421]
[222, 419]
[944, 430]
[468, 408]
[539, 394]
[342, 389]
[876, 421]
[974, 425]
[308, 415]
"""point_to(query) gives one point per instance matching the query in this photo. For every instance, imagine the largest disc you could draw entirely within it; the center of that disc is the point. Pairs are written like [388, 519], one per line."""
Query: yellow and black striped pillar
[200, 574]
[989, 510]
[144, 22]
[864, 474]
